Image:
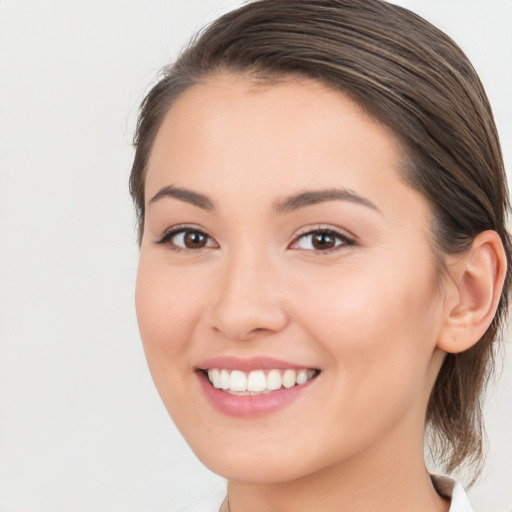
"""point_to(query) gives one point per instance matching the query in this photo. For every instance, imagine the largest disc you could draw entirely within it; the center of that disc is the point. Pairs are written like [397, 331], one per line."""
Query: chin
[257, 461]
[259, 471]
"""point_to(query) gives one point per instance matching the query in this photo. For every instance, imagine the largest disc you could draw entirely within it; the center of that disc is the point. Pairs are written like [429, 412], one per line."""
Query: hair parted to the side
[414, 79]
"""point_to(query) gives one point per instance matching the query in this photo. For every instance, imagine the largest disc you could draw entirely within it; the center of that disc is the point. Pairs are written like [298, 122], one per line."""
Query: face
[286, 293]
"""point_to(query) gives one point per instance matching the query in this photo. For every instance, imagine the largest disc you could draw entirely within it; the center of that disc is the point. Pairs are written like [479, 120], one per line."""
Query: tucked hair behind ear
[418, 82]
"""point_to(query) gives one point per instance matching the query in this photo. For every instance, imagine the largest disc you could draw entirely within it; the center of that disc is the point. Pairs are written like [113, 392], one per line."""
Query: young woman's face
[283, 251]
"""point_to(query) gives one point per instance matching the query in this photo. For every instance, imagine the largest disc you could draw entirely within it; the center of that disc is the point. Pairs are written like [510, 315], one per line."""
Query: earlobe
[476, 285]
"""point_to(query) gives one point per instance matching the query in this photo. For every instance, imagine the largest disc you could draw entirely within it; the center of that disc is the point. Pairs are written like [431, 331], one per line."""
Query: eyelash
[345, 241]
[166, 238]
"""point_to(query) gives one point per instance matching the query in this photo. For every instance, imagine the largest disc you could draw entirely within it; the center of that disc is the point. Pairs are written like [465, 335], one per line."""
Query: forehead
[267, 107]
[230, 135]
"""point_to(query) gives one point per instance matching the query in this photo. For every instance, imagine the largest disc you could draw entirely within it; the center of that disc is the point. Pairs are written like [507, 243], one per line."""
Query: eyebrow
[287, 205]
[311, 197]
[186, 195]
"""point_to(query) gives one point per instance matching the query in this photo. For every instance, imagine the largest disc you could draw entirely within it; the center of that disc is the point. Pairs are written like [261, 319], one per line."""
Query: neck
[397, 481]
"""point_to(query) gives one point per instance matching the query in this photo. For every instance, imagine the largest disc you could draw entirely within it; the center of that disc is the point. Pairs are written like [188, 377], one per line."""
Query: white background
[81, 426]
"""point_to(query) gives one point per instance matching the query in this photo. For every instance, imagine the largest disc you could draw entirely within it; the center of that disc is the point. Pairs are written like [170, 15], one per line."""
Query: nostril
[239, 323]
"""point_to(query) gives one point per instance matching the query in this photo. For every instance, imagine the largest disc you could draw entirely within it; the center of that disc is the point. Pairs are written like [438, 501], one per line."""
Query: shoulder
[450, 488]
[209, 503]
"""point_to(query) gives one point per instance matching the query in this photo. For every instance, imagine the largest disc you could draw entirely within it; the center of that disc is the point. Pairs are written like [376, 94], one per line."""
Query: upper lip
[249, 364]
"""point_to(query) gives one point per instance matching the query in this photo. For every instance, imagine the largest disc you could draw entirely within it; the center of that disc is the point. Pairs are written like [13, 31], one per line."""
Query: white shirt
[444, 485]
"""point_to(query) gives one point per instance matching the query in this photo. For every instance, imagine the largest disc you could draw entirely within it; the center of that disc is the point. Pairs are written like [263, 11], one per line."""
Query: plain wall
[81, 426]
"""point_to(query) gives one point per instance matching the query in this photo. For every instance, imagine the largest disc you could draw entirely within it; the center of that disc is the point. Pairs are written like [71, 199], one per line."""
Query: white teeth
[214, 376]
[289, 378]
[257, 381]
[238, 381]
[274, 380]
[224, 379]
[302, 376]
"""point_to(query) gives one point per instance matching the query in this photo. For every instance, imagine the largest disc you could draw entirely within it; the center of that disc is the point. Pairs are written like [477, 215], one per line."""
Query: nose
[249, 299]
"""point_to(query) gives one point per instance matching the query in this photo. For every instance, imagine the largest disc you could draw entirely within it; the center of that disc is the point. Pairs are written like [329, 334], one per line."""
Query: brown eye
[323, 241]
[184, 239]
[194, 240]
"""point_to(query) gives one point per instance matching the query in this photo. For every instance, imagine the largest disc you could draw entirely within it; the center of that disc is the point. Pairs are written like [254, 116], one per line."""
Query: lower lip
[248, 406]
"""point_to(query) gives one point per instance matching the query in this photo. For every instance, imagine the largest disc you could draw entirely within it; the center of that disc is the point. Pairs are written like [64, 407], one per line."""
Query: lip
[250, 406]
[249, 364]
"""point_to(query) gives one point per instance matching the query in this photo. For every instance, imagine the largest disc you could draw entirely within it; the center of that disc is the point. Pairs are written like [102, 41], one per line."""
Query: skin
[368, 314]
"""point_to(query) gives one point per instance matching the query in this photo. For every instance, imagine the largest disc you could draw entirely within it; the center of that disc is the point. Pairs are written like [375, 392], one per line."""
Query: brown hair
[418, 82]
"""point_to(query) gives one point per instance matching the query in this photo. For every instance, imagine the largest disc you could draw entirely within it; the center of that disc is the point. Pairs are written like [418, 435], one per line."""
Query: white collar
[450, 488]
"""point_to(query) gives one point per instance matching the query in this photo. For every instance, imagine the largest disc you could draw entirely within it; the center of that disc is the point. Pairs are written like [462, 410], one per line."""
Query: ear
[473, 292]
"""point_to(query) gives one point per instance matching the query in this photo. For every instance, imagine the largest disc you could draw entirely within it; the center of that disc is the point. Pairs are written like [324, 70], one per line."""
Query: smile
[258, 386]
[256, 382]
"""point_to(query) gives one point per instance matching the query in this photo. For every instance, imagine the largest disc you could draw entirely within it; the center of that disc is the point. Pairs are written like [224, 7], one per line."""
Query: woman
[323, 255]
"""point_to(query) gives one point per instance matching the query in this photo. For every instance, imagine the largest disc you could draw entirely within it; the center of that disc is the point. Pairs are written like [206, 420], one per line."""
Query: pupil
[322, 241]
[194, 240]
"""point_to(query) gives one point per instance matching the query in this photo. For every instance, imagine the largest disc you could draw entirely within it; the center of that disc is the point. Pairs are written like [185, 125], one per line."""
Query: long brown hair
[414, 79]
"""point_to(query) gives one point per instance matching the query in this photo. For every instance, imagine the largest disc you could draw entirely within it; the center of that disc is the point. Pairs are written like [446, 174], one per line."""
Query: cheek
[371, 321]
[165, 313]
[378, 338]
[167, 309]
